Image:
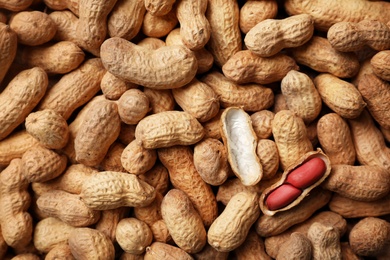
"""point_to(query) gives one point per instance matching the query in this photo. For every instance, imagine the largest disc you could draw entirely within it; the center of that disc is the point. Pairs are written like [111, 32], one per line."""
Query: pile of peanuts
[194, 129]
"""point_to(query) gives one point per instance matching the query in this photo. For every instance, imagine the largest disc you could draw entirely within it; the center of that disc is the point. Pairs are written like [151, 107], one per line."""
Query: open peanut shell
[305, 192]
[240, 141]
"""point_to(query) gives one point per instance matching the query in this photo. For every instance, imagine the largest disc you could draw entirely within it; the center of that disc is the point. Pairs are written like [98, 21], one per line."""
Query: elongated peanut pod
[8, 47]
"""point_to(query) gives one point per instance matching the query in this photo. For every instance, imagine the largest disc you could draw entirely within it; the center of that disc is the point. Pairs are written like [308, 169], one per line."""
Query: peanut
[262, 123]
[110, 190]
[8, 44]
[160, 99]
[252, 248]
[66, 23]
[339, 95]
[133, 105]
[133, 235]
[158, 250]
[15, 5]
[209, 252]
[267, 152]
[109, 220]
[159, 8]
[59, 5]
[184, 223]
[161, 232]
[113, 87]
[246, 67]
[231, 227]
[270, 36]
[167, 129]
[349, 36]
[380, 64]
[319, 55]
[151, 213]
[253, 12]
[112, 160]
[298, 246]
[177, 69]
[20, 97]
[282, 196]
[157, 177]
[136, 159]
[159, 26]
[325, 241]
[61, 251]
[212, 127]
[307, 174]
[151, 43]
[241, 142]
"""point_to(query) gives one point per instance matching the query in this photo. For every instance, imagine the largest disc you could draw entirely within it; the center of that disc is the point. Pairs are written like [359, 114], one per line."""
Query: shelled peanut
[208, 129]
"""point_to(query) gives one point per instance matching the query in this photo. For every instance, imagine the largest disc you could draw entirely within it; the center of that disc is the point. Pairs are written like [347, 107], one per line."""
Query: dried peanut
[380, 64]
[87, 243]
[113, 87]
[253, 12]
[252, 248]
[133, 235]
[250, 97]
[241, 142]
[110, 190]
[59, 5]
[159, 26]
[15, 5]
[319, 55]
[151, 213]
[325, 241]
[112, 160]
[159, 8]
[67, 207]
[339, 95]
[231, 227]
[33, 27]
[335, 138]
[167, 129]
[347, 253]
[179, 161]
[262, 123]
[109, 220]
[161, 232]
[66, 23]
[8, 47]
[133, 105]
[151, 43]
[136, 159]
[184, 223]
[298, 246]
[172, 66]
[246, 67]
[125, 19]
[301, 95]
[212, 127]
[158, 250]
[268, 154]
[157, 177]
[270, 36]
[350, 36]
[20, 97]
[160, 99]
[290, 136]
[61, 251]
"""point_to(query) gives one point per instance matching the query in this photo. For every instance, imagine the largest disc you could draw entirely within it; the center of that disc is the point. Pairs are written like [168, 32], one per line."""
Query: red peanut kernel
[307, 174]
[282, 196]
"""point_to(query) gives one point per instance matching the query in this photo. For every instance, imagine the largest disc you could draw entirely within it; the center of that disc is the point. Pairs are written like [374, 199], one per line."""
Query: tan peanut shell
[335, 138]
[133, 235]
[98, 131]
[245, 67]
[66, 23]
[59, 5]
[267, 226]
[161, 232]
[20, 97]
[184, 223]
[15, 5]
[15, 220]
[262, 123]
[91, 29]
[241, 142]
[68, 208]
[136, 159]
[369, 142]
[298, 246]
[197, 99]
[150, 213]
[325, 241]
[327, 218]
[50, 232]
[167, 129]
[306, 192]
[61, 251]
[158, 250]
[112, 160]
[301, 95]
[350, 10]
[349, 208]
[353, 36]
[194, 27]
[48, 127]
[251, 97]
[159, 26]
[110, 190]
[28, 26]
[225, 38]
[253, 12]
[118, 58]
[160, 99]
[87, 243]
[151, 43]
[159, 7]
[370, 236]
[8, 44]
[347, 253]
[41, 164]
[231, 227]
[109, 220]
[270, 36]
[15, 145]
[211, 162]
[290, 135]
[133, 105]
[212, 127]
[125, 19]
[339, 95]
[252, 248]
[113, 87]
[157, 177]
[376, 93]
[55, 58]
[179, 162]
[75, 88]
[380, 64]
[363, 182]
[319, 55]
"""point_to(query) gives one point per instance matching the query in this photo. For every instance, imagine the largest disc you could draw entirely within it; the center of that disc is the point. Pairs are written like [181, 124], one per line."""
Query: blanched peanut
[270, 36]
[350, 36]
[133, 105]
[253, 12]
